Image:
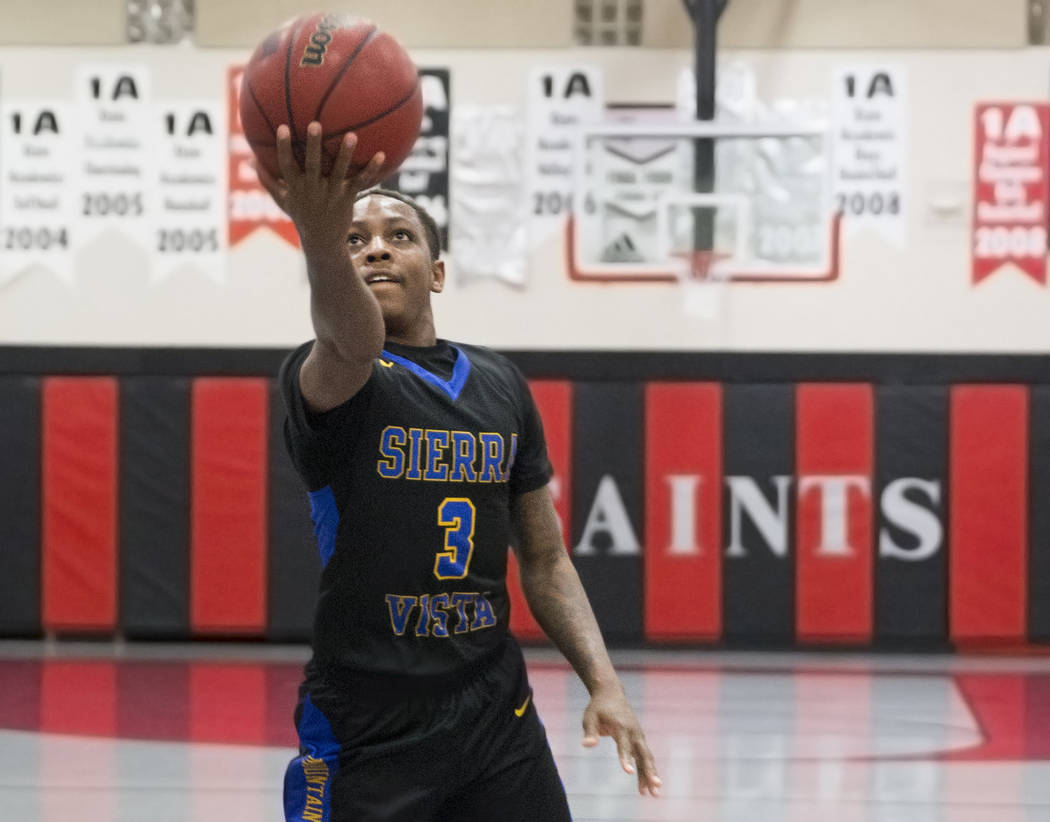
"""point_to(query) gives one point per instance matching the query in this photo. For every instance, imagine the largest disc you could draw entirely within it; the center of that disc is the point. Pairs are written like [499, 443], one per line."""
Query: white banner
[487, 227]
[870, 136]
[114, 153]
[189, 222]
[37, 198]
[560, 99]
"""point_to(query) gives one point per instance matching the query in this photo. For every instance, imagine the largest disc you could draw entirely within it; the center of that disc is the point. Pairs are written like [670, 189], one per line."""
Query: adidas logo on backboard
[621, 250]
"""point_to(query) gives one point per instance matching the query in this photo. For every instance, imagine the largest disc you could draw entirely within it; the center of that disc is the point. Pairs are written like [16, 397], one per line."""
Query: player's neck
[420, 335]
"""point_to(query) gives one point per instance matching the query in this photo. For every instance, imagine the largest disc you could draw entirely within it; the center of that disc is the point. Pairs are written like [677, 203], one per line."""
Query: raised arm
[557, 600]
[347, 321]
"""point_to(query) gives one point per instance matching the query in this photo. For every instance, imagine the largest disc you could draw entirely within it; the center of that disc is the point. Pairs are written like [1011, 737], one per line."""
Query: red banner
[250, 206]
[1012, 143]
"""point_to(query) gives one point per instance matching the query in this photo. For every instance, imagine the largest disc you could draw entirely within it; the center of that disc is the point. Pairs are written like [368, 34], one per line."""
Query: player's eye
[355, 239]
[401, 234]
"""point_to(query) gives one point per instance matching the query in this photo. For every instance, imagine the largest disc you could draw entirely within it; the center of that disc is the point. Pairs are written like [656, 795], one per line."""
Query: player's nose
[377, 250]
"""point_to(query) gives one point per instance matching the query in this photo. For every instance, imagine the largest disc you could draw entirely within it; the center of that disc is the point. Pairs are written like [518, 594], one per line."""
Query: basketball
[343, 72]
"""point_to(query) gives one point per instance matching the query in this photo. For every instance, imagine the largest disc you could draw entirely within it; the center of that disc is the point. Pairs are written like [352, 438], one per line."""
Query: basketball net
[702, 276]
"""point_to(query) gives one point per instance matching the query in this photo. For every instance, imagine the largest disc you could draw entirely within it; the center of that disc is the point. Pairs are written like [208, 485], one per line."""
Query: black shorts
[477, 752]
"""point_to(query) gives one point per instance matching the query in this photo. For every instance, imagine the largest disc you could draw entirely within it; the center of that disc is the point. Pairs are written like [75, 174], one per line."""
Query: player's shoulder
[498, 372]
[293, 360]
[297, 354]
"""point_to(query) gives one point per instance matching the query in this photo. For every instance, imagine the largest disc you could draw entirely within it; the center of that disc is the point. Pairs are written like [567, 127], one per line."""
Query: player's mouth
[382, 277]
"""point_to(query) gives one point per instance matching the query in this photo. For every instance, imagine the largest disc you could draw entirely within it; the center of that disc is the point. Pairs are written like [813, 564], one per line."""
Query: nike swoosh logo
[521, 711]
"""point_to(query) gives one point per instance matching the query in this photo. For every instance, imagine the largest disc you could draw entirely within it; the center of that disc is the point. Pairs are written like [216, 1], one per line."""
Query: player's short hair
[430, 226]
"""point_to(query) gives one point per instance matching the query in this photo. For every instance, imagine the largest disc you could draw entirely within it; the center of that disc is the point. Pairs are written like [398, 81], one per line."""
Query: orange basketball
[344, 73]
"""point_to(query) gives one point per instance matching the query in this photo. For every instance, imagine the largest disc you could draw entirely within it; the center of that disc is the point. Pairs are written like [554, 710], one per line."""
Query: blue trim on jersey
[452, 386]
[308, 779]
[325, 514]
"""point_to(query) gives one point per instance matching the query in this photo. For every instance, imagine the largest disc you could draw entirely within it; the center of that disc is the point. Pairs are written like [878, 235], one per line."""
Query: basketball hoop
[705, 265]
[702, 277]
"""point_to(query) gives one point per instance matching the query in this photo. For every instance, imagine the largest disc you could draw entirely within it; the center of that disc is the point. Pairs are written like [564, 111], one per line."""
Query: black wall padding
[911, 441]
[758, 593]
[294, 562]
[1039, 514]
[154, 506]
[20, 507]
[607, 430]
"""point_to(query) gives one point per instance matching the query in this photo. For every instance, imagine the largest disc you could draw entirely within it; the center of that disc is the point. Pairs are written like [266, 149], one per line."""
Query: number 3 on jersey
[456, 516]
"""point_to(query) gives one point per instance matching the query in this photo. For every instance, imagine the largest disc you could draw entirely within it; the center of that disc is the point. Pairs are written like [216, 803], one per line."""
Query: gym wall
[857, 463]
[917, 295]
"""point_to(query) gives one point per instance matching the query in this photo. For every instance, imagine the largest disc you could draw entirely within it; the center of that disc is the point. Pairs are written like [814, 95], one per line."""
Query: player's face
[388, 245]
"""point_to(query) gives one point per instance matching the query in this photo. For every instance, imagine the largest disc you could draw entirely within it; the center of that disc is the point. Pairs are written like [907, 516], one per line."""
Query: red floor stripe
[152, 697]
[988, 561]
[228, 703]
[1037, 717]
[79, 698]
[997, 702]
[79, 539]
[835, 457]
[683, 511]
[554, 401]
[228, 550]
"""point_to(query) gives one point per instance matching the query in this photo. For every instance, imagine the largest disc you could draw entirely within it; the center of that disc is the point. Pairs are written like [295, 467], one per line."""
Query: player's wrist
[604, 684]
[323, 245]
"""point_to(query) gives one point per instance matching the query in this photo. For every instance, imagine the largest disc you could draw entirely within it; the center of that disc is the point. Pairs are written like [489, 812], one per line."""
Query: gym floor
[101, 732]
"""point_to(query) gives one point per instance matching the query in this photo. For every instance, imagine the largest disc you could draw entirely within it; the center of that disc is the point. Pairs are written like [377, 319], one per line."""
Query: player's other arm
[347, 320]
[557, 600]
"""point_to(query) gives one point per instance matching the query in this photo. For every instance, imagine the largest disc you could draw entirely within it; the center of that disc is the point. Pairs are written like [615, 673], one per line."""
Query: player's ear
[437, 271]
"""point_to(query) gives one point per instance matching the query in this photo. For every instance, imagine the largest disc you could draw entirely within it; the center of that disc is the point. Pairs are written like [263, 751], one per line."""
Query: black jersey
[410, 483]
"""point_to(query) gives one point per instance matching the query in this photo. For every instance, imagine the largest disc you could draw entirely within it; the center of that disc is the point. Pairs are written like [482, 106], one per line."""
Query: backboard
[641, 213]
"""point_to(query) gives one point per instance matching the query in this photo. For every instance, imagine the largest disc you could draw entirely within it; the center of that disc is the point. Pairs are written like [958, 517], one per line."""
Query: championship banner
[37, 198]
[189, 189]
[560, 99]
[1012, 152]
[114, 152]
[250, 205]
[424, 175]
[870, 133]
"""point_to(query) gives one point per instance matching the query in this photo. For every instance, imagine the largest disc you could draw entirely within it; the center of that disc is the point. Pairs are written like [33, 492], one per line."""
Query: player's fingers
[648, 779]
[373, 172]
[342, 159]
[313, 151]
[623, 748]
[277, 189]
[285, 160]
[590, 730]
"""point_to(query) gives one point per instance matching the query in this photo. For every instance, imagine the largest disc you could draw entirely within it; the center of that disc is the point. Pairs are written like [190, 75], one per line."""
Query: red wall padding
[988, 557]
[986, 466]
[683, 582]
[554, 402]
[79, 506]
[228, 502]
[834, 569]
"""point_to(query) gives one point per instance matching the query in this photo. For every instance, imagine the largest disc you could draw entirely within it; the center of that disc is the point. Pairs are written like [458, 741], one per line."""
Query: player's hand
[320, 205]
[610, 714]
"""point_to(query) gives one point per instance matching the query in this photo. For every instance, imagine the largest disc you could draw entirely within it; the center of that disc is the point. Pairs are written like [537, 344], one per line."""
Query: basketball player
[424, 460]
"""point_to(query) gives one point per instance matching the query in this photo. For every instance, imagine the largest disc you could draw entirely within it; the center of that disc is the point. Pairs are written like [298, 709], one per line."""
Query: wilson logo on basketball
[319, 40]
